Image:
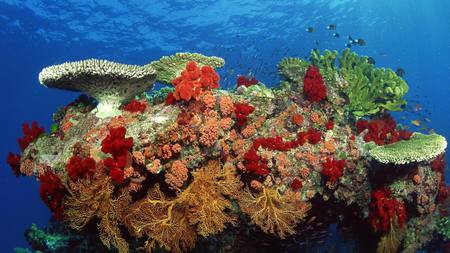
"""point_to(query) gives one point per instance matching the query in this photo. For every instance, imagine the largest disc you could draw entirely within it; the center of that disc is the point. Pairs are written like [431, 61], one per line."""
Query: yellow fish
[415, 122]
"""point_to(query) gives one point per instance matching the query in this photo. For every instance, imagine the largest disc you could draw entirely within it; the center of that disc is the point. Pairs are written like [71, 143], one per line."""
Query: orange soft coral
[193, 81]
[178, 174]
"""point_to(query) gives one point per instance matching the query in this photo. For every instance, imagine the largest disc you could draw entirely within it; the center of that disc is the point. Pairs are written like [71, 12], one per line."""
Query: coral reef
[192, 167]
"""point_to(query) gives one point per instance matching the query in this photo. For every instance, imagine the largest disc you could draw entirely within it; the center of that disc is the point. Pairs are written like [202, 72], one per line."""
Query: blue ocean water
[252, 36]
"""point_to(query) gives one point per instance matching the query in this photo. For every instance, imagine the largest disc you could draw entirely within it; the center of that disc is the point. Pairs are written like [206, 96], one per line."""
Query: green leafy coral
[169, 67]
[370, 89]
[419, 148]
[326, 63]
[292, 69]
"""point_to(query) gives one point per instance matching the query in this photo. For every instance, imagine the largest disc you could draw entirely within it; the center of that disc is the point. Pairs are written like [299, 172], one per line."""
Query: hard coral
[29, 134]
[118, 146]
[79, 167]
[52, 193]
[385, 210]
[314, 86]
[193, 81]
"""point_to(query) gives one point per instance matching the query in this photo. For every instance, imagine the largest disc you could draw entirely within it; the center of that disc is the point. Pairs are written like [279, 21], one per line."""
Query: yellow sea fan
[274, 213]
[202, 208]
[94, 198]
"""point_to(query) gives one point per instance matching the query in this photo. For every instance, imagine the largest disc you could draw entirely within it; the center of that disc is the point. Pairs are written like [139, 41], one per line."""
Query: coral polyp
[193, 163]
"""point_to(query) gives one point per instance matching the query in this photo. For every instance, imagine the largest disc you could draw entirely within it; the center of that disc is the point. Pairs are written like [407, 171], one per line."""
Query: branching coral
[90, 199]
[273, 212]
[293, 69]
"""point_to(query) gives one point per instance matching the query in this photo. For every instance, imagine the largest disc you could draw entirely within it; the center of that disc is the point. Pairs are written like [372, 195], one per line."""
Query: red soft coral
[242, 110]
[52, 193]
[29, 134]
[296, 184]
[333, 169]
[193, 81]
[256, 164]
[14, 162]
[384, 210]
[313, 85]
[382, 130]
[246, 81]
[78, 167]
[118, 146]
[135, 106]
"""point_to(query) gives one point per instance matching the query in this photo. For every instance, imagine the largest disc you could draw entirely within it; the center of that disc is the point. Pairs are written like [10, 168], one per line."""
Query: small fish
[316, 42]
[418, 108]
[371, 60]
[427, 119]
[336, 35]
[310, 29]
[400, 72]
[349, 45]
[331, 27]
[360, 42]
[415, 122]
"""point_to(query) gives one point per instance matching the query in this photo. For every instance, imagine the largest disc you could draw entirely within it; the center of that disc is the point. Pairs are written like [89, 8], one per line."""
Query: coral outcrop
[194, 168]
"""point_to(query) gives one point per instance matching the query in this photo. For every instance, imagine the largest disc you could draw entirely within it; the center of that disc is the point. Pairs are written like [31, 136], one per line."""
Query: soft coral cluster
[135, 106]
[80, 167]
[333, 169]
[30, 134]
[384, 210]
[14, 162]
[246, 81]
[52, 193]
[258, 165]
[192, 82]
[313, 85]
[438, 165]
[118, 146]
[382, 131]
[242, 110]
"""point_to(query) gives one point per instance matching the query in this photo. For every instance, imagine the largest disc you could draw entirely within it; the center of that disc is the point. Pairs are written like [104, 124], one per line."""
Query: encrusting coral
[191, 167]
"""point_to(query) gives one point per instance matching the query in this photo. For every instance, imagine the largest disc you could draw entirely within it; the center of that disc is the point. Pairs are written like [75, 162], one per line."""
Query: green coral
[292, 69]
[326, 63]
[443, 227]
[370, 89]
[258, 90]
[418, 148]
[159, 96]
[169, 67]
